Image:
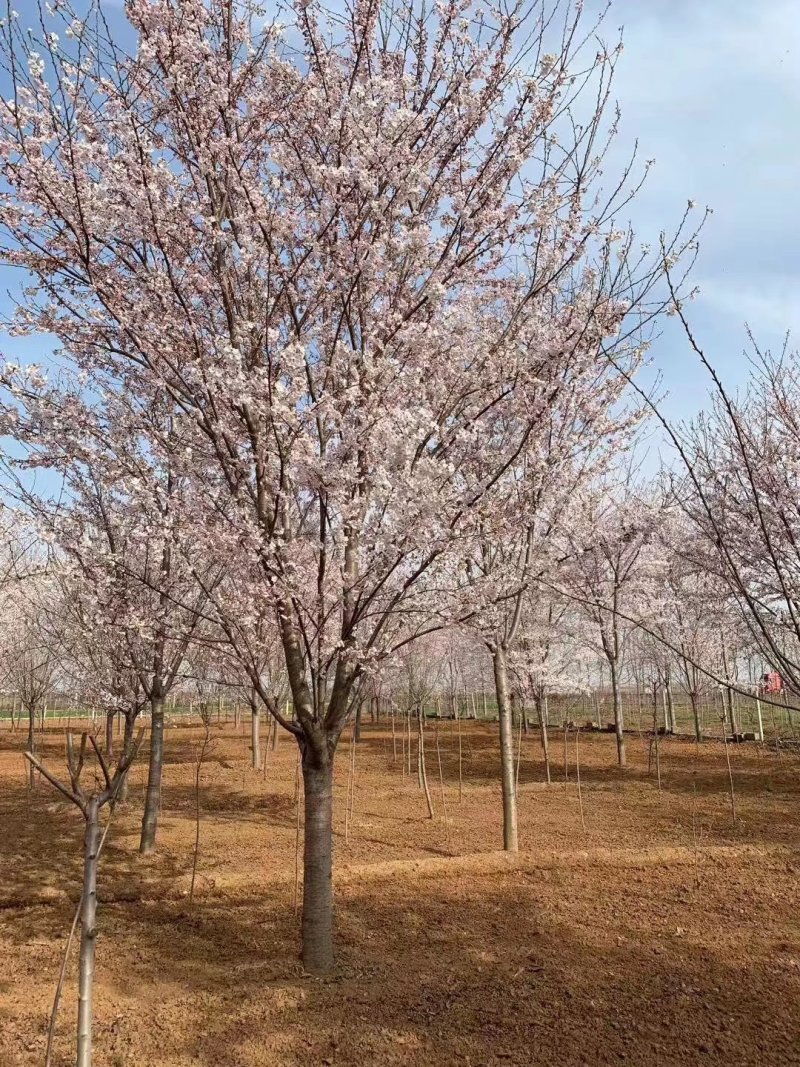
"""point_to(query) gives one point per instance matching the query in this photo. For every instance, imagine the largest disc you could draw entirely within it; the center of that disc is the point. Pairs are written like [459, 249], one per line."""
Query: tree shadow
[41, 848]
[566, 966]
[229, 803]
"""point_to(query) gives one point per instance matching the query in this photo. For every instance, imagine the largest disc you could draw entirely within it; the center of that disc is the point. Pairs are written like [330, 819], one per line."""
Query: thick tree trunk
[510, 841]
[88, 933]
[618, 722]
[255, 732]
[152, 800]
[357, 730]
[317, 919]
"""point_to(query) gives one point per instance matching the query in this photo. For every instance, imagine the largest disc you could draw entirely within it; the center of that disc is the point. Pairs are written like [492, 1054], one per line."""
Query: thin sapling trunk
[423, 773]
[510, 834]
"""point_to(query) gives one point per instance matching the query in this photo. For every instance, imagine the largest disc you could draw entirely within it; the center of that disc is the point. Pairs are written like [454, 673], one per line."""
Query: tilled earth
[637, 925]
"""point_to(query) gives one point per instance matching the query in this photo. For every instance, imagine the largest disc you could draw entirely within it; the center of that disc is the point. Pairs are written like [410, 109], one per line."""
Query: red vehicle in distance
[771, 682]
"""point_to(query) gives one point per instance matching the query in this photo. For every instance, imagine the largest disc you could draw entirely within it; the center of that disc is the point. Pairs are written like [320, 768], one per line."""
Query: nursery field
[640, 923]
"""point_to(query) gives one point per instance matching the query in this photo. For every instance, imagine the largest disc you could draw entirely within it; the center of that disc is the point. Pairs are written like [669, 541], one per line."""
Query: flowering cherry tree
[570, 447]
[609, 572]
[131, 601]
[692, 609]
[353, 252]
[549, 655]
[740, 494]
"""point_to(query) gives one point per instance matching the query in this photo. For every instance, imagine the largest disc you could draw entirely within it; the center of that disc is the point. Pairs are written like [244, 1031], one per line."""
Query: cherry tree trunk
[731, 713]
[421, 767]
[152, 800]
[110, 733]
[88, 933]
[510, 842]
[618, 719]
[760, 734]
[127, 741]
[31, 745]
[545, 740]
[695, 715]
[255, 734]
[317, 918]
[670, 706]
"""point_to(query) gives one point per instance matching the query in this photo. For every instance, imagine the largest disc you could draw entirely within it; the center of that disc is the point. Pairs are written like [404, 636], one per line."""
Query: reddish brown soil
[661, 934]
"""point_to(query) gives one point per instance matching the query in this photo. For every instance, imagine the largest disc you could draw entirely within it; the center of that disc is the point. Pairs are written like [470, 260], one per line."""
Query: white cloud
[770, 310]
[711, 89]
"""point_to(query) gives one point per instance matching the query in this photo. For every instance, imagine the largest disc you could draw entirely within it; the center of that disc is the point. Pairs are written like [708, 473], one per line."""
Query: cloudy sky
[711, 90]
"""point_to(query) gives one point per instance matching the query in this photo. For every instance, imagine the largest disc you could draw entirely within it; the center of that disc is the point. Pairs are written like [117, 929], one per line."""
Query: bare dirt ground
[660, 934]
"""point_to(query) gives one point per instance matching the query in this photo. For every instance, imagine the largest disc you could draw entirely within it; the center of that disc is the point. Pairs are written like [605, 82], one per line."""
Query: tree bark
[88, 933]
[110, 732]
[698, 733]
[255, 732]
[618, 721]
[152, 801]
[127, 740]
[421, 767]
[31, 745]
[760, 721]
[670, 705]
[732, 714]
[317, 918]
[510, 839]
[545, 740]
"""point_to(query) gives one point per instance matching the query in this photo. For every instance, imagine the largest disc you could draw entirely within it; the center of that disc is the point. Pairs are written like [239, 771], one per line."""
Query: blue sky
[711, 90]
